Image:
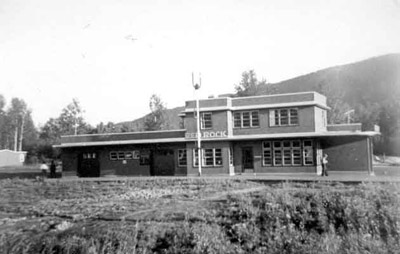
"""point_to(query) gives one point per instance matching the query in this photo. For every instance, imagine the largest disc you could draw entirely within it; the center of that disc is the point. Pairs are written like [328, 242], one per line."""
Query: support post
[198, 134]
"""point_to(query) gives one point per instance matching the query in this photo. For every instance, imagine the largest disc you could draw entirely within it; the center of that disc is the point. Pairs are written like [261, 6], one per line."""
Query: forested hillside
[370, 87]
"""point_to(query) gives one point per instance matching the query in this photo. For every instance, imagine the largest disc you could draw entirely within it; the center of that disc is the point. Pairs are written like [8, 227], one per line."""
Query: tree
[3, 121]
[71, 119]
[69, 122]
[249, 85]
[16, 116]
[155, 120]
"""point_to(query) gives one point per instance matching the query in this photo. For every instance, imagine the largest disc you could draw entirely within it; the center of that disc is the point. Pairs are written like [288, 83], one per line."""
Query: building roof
[229, 138]
[259, 102]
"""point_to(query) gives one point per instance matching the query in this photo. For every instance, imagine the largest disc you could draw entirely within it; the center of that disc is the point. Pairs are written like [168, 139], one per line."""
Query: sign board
[207, 134]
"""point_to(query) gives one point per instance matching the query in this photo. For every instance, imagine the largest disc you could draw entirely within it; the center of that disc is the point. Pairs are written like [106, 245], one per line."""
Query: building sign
[207, 134]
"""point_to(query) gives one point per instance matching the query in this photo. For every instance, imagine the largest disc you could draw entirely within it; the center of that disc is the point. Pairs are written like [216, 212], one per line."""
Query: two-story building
[284, 133]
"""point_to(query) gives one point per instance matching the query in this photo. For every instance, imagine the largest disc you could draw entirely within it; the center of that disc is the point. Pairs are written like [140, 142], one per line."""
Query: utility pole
[197, 87]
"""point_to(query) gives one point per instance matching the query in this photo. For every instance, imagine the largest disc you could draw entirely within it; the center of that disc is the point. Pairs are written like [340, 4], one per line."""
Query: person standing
[44, 168]
[325, 165]
[52, 170]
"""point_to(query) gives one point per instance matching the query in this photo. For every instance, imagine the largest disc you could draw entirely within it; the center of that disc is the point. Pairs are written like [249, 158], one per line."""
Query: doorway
[88, 165]
[247, 158]
[163, 162]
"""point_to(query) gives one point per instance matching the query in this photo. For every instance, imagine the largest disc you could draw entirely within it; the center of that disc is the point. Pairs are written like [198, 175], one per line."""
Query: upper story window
[206, 120]
[283, 117]
[246, 119]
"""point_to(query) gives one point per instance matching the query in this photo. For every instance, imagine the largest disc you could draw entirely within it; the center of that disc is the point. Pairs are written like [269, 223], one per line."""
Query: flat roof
[228, 138]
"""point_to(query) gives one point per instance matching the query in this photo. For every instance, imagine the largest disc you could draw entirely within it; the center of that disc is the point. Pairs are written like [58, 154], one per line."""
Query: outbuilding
[284, 133]
[11, 158]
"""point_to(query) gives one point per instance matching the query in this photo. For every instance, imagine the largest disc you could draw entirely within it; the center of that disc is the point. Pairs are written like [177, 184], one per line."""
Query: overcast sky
[113, 55]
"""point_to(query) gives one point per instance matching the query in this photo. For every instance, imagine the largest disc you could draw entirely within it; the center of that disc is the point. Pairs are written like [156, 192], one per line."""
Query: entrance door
[247, 158]
[164, 163]
[89, 165]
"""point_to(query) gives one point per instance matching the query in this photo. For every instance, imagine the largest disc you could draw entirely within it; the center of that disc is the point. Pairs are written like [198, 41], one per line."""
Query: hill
[373, 80]
[172, 121]
[371, 87]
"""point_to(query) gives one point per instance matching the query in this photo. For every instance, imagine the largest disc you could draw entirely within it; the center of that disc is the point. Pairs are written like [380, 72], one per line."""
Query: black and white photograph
[172, 126]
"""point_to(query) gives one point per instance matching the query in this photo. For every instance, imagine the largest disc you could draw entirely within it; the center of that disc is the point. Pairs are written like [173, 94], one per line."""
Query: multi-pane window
[113, 156]
[288, 153]
[284, 117]
[255, 122]
[196, 157]
[267, 153]
[89, 156]
[124, 155]
[206, 120]
[237, 120]
[211, 157]
[182, 158]
[246, 119]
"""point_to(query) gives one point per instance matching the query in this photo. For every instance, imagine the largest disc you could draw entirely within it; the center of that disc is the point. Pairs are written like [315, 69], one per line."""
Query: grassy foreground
[198, 216]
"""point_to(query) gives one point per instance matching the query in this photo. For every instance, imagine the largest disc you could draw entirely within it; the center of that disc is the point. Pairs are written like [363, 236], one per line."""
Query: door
[163, 162]
[247, 158]
[89, 165]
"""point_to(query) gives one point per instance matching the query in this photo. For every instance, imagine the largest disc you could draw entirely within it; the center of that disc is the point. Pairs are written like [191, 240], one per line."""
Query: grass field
[169, 215]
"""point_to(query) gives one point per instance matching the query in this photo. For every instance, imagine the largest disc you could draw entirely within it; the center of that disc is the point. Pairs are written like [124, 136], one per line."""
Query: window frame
[213, 157]
[277, 115]
[181, 159]
[251, 119]
[288, 153]
[305, 156]
[204, 121]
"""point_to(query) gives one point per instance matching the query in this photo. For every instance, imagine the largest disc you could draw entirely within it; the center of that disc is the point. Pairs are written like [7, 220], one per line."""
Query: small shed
[11, 158]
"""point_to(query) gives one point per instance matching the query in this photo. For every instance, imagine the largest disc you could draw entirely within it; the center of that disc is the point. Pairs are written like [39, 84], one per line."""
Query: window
[288, 153]
[254, 119]
[113, 156]
[294, 118]
[246, 119]
[129, 155]
[182, 159]
[308, 153]
[195, 157]
[206, 121]
[267, 154]
[237, 120]
[296, 153]
[122, 155]
[283, 117]
[86, 156]
[211, 157]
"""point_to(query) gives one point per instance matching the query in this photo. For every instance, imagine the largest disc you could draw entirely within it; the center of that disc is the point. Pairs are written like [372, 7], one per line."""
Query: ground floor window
[182, 159]
[124, 155]
[211, 157]
[288, 153]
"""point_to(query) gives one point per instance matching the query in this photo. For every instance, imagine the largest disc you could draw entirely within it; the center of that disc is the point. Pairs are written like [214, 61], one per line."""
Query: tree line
[18, 131]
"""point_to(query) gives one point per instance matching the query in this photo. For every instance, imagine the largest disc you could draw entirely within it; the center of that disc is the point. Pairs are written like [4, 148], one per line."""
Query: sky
[113, 55]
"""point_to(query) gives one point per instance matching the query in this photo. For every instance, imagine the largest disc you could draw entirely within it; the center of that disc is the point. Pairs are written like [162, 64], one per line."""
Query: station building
[283, 133]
